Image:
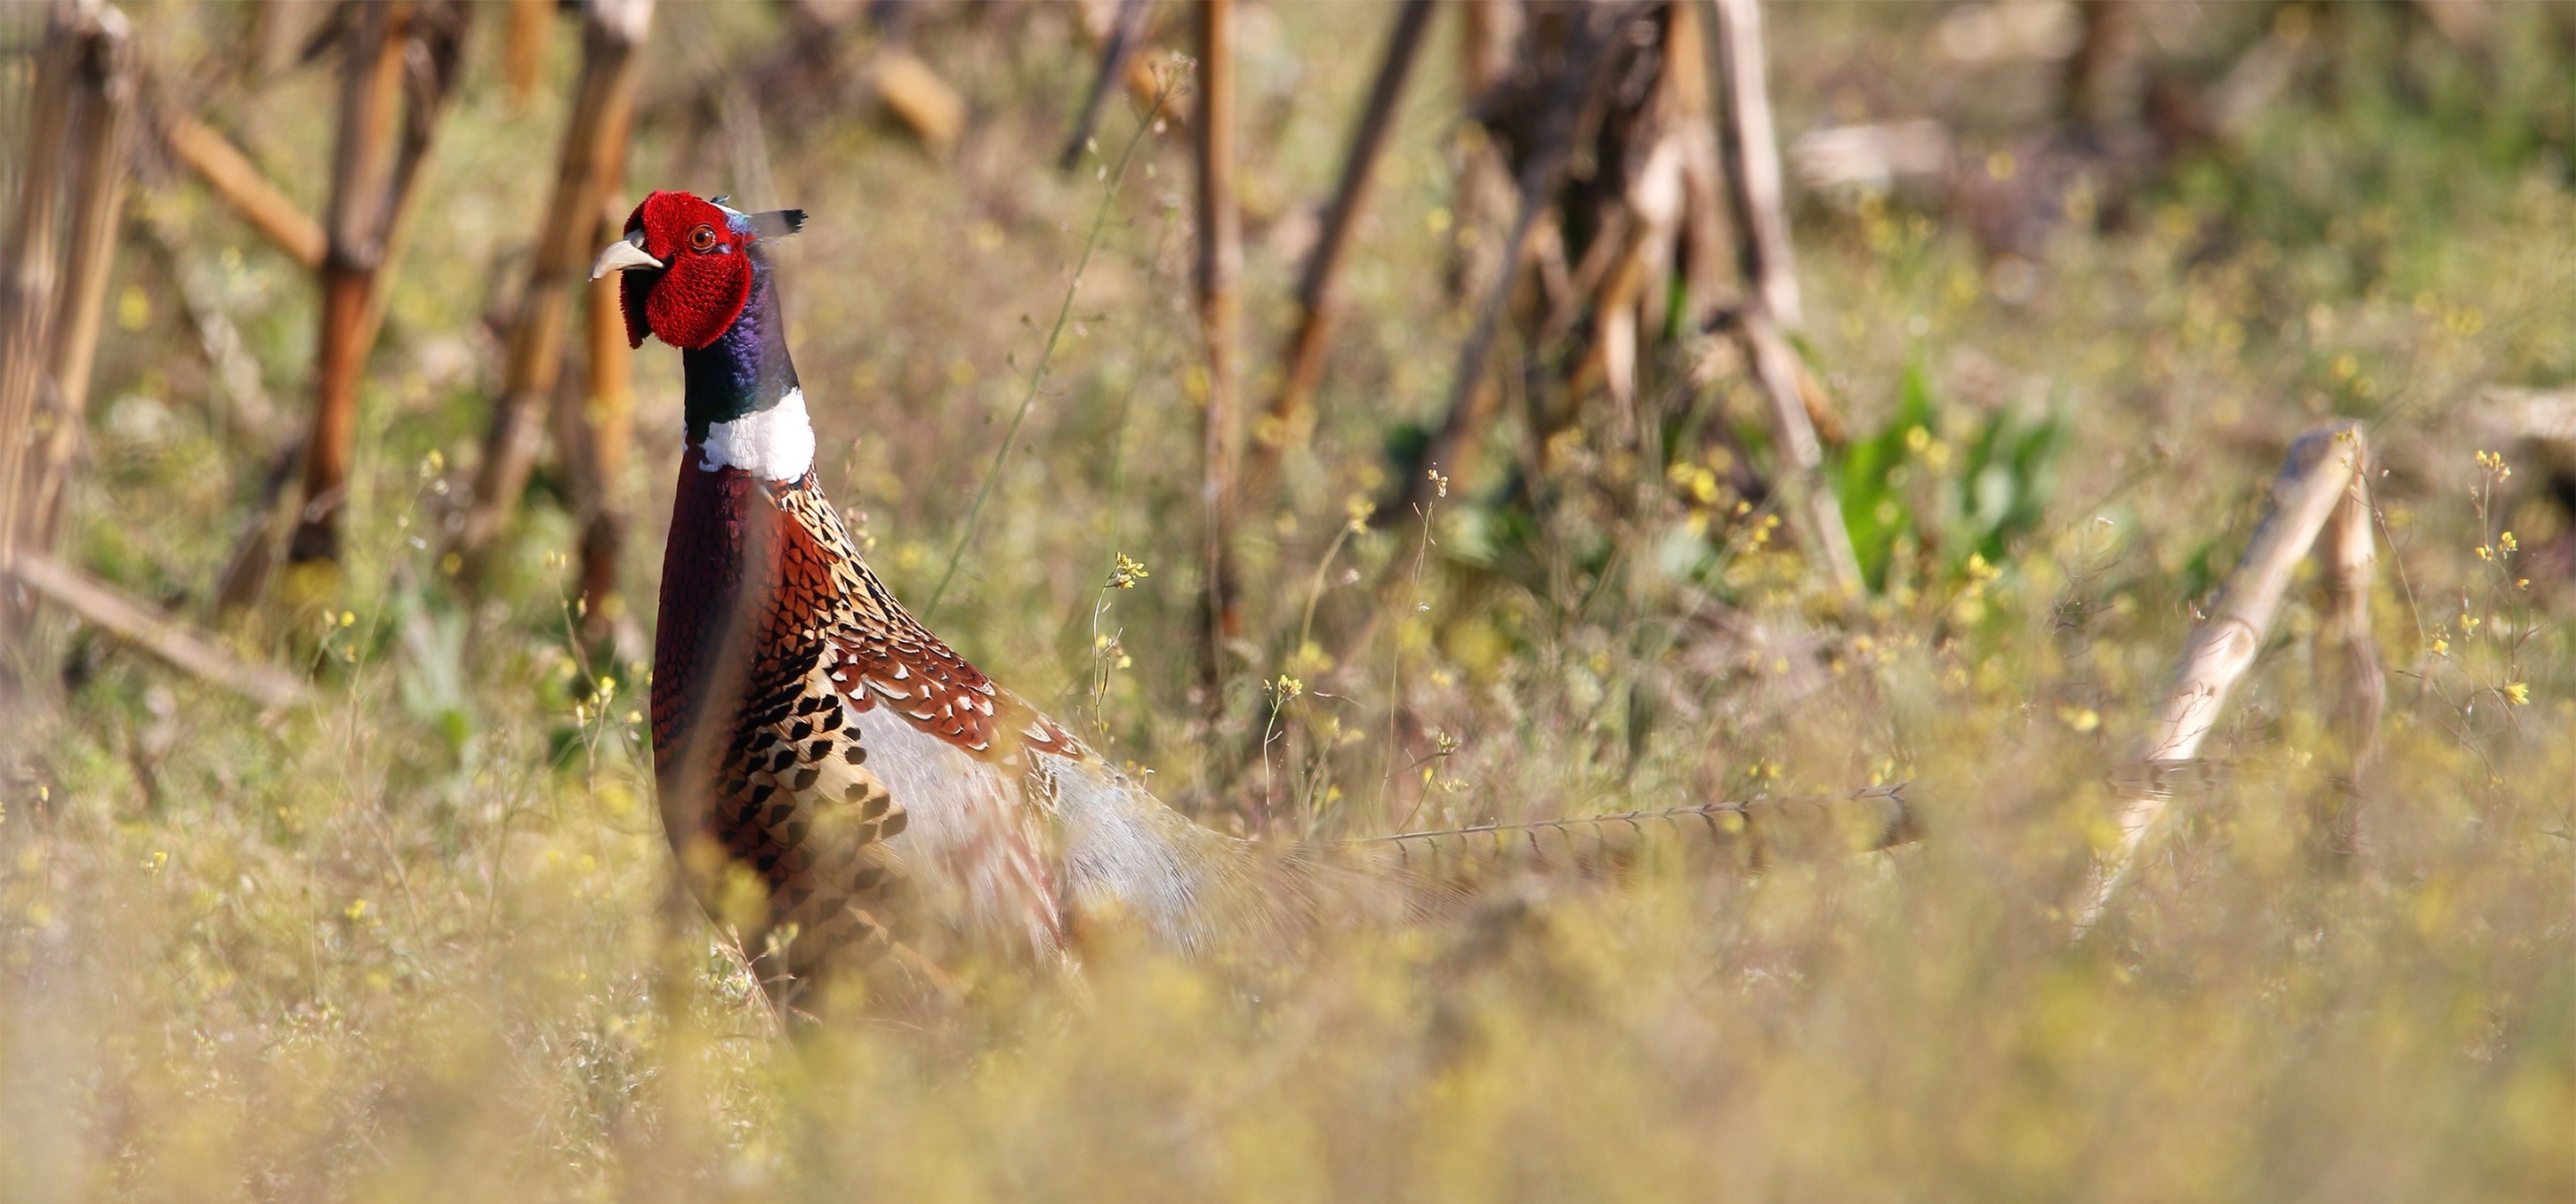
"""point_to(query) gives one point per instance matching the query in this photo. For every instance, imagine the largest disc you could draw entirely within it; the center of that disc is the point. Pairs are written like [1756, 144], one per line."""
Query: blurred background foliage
[2069, 307]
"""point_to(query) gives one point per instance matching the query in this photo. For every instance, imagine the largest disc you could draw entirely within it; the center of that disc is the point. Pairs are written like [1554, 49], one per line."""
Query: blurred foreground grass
[415, 944]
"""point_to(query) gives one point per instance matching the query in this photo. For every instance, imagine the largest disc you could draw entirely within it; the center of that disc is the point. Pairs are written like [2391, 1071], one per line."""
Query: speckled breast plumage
[777, 644]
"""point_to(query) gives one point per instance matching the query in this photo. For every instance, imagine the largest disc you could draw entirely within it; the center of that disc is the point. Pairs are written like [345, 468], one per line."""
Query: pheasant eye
[703, 238]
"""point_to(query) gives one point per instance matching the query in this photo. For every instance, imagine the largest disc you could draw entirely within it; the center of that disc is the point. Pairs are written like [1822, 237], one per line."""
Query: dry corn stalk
[613, 33]
[59, 247]
[106, 83]
[62, 245]
[183, 647]
[1540, 116]
[2542, 415]
[2322, 480]
[1220, 263]
[1284, 422]
[523, 54]
[27, 296]
[1773, 306]
[602, 427]
[396, 53]
[601, 432]
[236, 179]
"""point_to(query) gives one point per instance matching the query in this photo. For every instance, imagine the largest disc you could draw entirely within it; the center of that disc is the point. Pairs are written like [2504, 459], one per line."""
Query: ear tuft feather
[778, 223]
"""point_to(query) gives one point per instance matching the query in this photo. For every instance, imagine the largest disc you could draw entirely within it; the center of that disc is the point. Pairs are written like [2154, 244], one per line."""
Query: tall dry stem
[399, 59]
[59, 263]
[602, 430]
[1752, 154]
[1220, 262]
[1046, 356]
[613, 33]
[2322, 476]
[106, 82]
[1283, 424]
[34, 272]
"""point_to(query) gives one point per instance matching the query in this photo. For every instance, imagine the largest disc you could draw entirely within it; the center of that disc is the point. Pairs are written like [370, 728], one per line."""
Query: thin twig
[1894, 793]
[1126, 33]
[1046, 354]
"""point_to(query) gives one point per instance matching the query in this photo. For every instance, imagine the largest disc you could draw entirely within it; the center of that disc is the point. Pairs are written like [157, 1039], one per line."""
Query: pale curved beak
[627, 252]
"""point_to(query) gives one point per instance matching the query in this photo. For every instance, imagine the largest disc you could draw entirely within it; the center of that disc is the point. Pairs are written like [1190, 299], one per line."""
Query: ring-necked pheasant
[837, 782]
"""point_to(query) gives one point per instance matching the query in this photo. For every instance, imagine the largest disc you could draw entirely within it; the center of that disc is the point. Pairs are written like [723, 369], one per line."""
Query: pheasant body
[874, 786]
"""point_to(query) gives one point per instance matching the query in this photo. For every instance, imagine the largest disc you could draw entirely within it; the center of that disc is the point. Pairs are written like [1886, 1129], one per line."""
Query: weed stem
[1055, 334]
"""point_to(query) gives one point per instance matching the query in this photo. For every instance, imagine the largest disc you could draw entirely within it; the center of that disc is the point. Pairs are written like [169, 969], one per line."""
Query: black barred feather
[1749, 833]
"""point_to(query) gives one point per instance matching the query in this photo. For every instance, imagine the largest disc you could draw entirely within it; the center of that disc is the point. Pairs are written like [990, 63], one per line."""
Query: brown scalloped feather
[880, 655]
[775, 638]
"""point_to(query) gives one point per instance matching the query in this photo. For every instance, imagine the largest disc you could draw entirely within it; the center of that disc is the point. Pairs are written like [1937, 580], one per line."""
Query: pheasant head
[689, 266]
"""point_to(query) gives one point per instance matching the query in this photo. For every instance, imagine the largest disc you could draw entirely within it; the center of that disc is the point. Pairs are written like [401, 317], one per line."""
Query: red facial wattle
[705, 280]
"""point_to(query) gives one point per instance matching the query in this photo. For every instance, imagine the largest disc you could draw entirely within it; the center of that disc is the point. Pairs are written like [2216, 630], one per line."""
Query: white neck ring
[775, 444]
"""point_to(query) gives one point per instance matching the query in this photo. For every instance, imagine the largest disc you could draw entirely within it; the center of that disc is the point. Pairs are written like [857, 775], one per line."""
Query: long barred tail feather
[1128, 856]
[1282, 890]
[1750, 833]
